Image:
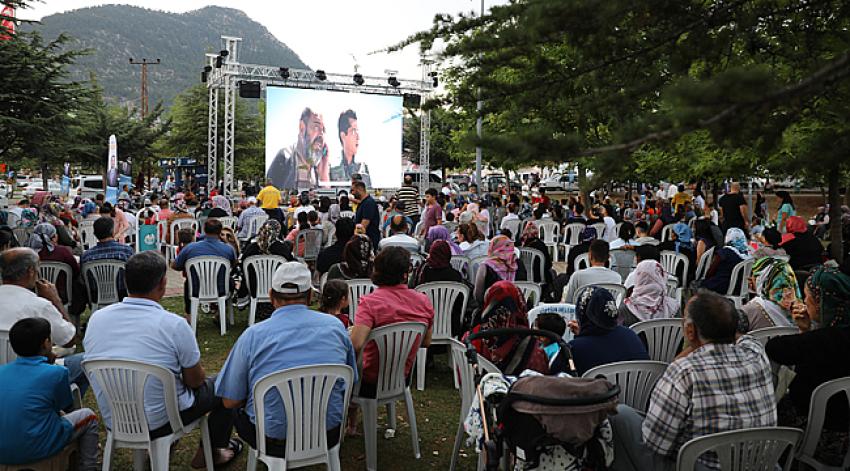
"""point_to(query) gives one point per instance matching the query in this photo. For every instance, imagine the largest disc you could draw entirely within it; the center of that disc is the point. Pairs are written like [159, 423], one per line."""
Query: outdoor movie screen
[318, 138]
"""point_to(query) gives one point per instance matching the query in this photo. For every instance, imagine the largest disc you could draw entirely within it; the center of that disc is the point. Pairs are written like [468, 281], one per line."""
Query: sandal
[235, 445]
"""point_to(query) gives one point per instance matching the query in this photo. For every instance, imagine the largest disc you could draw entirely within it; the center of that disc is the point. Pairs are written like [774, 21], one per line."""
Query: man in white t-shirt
[595, 274]
[399, 237]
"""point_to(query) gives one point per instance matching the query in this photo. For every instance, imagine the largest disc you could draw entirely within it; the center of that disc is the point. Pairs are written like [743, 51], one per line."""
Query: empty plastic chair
[742, 450]
[739, 289]
[101, 280]
[636, 380]
[675, 263]
[532, 258]
[356, 288]
[814, 425]
[306, 392]
[443, 295]
[663, 337]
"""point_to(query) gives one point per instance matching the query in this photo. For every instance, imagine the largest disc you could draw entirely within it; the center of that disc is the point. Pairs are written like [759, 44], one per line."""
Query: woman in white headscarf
[649, 298]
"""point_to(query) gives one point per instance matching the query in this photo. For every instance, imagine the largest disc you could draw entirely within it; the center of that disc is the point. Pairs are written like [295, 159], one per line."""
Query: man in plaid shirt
[717, 384]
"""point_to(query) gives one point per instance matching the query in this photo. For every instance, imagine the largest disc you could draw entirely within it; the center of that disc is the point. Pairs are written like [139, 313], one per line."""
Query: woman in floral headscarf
[819, 351]
[531, 239]
[45, 241]
[719, 273]
[220, 207]
[599, 340]
[50, 214]
[267, 242]
[501, 264]
[357, 260]
[776, 289]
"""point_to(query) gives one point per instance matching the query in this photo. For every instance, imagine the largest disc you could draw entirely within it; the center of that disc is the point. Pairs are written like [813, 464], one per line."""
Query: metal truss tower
[212, 128]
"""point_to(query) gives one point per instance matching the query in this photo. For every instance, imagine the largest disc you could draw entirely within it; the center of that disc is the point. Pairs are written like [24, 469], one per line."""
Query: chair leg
[456, 449]
[411, 417]
[206, 443]
[222, 314]
[333, 459]
[391, 416]
[252, 459]
[107, 453]
[421, 359]
[193, 311]
[160, 452]
[230, 308]
[252, 312]
[139, 460]
[370, 433]
[455, 372]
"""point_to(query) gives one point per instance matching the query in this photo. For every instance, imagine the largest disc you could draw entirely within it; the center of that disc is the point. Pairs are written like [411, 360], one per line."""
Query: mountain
[115, 33]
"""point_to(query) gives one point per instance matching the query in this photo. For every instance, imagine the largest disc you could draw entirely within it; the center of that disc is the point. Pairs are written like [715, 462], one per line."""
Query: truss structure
[228, 77]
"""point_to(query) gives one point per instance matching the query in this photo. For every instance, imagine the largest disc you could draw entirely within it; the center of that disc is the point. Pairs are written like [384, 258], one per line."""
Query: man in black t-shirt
[733, 209]
[367, 213]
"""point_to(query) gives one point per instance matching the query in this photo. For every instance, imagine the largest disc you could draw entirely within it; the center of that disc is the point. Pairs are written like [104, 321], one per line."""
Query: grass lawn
[437, 410]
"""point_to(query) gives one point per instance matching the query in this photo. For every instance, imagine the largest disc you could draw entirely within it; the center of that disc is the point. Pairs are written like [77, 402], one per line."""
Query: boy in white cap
[293, 336]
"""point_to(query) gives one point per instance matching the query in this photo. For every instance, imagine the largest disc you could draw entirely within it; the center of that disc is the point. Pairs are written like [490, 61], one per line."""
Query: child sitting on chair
[552, 322]
[335, 299]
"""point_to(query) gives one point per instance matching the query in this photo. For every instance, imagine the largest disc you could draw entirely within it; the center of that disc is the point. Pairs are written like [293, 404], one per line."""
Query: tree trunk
[582, 189]
[44, 176]
[846, 193]
[837, 251]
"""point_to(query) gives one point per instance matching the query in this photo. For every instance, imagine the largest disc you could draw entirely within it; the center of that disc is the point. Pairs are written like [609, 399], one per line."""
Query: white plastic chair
[765, 334]
[104, 275]
[636, 380]
[529, 256]
[172, 242]
[50, 272]
[461, 264]
[305, 392]
[263, 266]
[601, 230]
[473, 267]
[672, 261]
[123, 385]
[228, 222]
[310, 241]
[395, 343]
[346, 214]
[565, 310]
[739, 288]
[550, 233]
[86, 230]
[623, 262]
[531, 292]
[814, 425]
[7, 355]
[356, 288]
[742, 450]
[572, 236]
[207, 269]
[583, 261]
[663, 337]
[617, 291]
[513, 225]
[255, 223]
[443, 295]
[665, 232]
[704, 264]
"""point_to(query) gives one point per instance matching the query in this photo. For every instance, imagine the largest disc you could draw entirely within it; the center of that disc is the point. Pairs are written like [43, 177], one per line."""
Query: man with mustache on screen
[304, 164]
[349, 137]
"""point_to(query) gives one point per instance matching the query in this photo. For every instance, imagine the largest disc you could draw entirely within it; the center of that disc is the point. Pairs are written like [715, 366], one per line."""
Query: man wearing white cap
[293, 336]
[244, 222]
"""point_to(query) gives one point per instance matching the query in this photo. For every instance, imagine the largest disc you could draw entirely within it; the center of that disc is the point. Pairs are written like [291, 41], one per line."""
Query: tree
[447, 130]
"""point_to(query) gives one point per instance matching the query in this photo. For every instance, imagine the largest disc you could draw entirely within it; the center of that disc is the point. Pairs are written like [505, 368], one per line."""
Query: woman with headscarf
[820, 350]
[512, 354]
[357, 260]
[50, 214]
[531, 239]
[769, 241]
[440, 232]
[801, 245]
[88, 210]
[501, 264]
[438, 267]
[45, 241]
[648, 299]
[777, 291]
[725, 258]
[220, 207]
[599, 340]
[266, 242]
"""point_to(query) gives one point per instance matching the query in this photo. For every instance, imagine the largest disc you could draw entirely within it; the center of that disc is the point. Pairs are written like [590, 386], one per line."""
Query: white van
[86, 186]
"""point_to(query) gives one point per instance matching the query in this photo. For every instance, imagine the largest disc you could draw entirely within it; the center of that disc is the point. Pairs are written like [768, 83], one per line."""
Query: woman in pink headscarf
[649, 298]
[501, 264]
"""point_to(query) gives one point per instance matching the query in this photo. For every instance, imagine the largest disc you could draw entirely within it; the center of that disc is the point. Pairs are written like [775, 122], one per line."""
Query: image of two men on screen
[306, 163]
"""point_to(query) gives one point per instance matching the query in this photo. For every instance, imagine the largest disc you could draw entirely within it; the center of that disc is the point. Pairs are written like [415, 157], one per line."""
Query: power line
[144, 95]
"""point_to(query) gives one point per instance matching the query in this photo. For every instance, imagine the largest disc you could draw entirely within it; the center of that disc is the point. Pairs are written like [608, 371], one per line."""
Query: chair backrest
[450, 226]
[636, 380]
[565, 310]
[623, 262]
[310, 241]
[86, 230]
[461, 264]
[207, 270]
[665, 232]
[50, 271]
[473, 267]
[550, 231]
[104, 275]
[704, 264]
[346, 214]
[229, 221]
[672, 261]
[255, 224]
[601, 230]
[531, 292]
[464, 372]
[179, 224]
[663, 337]
[767, 333]
[583, 261]
[572, 233]
[443, 295]
[123, 385]
[752, 449]
[395, 343]
[529, 256]
[817, 415]
[306, 393]
[739, 280]
[263, 266]
[22, 234]
[618, 291]
[356, 288]
[7, 355]
[513, 225]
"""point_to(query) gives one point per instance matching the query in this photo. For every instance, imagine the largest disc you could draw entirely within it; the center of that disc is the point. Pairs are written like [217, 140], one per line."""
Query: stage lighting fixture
[223, 53]
[393, 81]
[433, 76]
[218, 62]
[203, 76]
[284, 72]
[358, 79]
[207, 68]
[321, 75]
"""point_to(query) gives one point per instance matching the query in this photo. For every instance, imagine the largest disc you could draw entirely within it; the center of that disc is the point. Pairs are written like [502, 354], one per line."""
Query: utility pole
[478, 126]
[144, 98]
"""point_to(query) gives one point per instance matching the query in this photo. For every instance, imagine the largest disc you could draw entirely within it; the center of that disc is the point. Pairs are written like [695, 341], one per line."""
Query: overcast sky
[324, 33]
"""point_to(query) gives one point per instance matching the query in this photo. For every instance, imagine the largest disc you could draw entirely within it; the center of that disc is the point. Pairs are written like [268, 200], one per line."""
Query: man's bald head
[736, 187]
[398, 225]
[19, 266]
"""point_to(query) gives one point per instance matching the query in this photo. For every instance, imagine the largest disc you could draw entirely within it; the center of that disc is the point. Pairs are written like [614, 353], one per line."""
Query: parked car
[52, 186]
[462, 181]
[434, 181]
[86, 186]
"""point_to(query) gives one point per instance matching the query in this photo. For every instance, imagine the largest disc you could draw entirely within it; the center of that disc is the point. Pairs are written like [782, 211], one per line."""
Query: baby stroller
[544, 421]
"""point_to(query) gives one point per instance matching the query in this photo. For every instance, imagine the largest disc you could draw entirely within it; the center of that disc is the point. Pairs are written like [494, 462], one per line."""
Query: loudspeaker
[249, 89]
[412, 101]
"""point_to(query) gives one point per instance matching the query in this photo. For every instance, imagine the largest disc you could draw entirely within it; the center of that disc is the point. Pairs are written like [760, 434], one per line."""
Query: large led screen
[318, 138]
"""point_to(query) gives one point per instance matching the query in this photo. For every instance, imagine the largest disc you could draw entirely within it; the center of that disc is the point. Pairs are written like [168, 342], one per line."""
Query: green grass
[437, 409]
